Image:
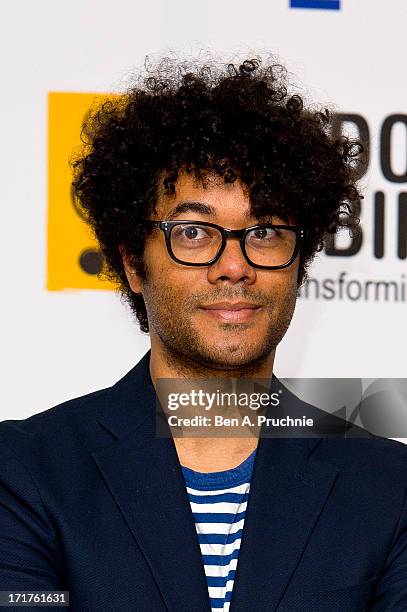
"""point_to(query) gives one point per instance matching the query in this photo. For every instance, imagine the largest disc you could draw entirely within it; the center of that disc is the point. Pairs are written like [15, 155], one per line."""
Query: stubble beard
[188, 351]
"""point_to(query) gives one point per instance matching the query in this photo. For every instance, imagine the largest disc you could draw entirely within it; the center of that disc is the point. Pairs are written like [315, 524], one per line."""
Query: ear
[132, 276]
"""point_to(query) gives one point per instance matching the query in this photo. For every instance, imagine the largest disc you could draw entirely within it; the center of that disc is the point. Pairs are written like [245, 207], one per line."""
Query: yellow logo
[74, 258]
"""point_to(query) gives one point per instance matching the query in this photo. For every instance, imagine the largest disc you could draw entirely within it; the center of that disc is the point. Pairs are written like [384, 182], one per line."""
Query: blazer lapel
[288, 491]
[144, 476]
[287, 494]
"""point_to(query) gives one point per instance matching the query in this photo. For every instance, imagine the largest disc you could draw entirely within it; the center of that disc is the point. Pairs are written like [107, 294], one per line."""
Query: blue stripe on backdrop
[316, 4]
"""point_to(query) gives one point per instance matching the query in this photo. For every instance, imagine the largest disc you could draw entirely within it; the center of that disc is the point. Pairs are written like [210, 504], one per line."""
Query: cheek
[158, 266]
[290, 277]
[278, 284]
[169, 280]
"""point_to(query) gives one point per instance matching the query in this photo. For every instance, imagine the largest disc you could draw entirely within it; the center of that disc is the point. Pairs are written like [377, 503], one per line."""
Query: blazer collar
[288, 491]
[130, 402]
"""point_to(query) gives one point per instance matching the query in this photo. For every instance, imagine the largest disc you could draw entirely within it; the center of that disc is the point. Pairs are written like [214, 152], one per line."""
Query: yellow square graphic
[74, 258]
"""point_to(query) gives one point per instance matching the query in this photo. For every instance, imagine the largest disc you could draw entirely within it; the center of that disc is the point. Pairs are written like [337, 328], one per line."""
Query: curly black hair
[237, 121]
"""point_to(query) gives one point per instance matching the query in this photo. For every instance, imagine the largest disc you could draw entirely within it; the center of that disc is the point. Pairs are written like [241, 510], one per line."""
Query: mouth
[239, 312]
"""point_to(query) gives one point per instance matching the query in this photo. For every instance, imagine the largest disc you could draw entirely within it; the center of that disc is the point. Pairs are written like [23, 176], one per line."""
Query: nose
[231, 266]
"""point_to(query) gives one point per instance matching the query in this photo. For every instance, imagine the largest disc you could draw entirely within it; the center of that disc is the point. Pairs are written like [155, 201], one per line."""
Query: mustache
[224, 295]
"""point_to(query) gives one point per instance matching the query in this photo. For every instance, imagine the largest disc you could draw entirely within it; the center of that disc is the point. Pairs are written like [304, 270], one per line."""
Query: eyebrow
[204, 209]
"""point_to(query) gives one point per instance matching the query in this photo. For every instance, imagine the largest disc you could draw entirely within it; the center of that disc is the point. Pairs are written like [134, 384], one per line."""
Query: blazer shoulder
[74, 425]
[59, 418]
[382, 457]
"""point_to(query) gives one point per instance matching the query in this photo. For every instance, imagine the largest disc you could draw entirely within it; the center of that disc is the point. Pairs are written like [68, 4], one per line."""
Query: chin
[232, 355]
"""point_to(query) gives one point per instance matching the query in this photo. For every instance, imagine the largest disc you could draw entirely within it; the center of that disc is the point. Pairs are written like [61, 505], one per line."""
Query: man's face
[176, 295]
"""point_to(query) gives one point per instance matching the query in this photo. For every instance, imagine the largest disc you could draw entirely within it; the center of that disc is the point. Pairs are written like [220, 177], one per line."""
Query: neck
[205, 454]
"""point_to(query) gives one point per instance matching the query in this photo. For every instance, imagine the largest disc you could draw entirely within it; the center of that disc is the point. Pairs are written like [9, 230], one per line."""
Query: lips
[237, 312]
[230, 306]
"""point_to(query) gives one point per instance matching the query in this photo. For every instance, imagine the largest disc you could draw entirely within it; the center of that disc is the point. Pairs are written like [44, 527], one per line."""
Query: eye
[193, 234]
[263, 234]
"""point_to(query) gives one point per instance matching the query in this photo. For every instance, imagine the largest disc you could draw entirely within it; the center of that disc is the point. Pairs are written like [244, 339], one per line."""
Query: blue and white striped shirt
[218, 502]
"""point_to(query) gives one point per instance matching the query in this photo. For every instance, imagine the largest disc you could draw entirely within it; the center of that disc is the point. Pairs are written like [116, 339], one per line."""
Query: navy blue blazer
[92, 502]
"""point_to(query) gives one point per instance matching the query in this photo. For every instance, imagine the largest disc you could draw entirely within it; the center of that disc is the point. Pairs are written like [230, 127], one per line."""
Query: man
[209, 190]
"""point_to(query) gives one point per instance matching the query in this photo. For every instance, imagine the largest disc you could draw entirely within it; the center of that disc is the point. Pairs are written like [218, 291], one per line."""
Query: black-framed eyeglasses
[200, 243]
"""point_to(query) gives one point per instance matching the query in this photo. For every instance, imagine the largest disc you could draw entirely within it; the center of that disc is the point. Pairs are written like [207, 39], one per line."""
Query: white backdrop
[58, 345]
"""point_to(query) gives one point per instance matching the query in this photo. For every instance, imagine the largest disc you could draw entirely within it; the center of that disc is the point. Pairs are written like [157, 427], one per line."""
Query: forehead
[218, 198]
